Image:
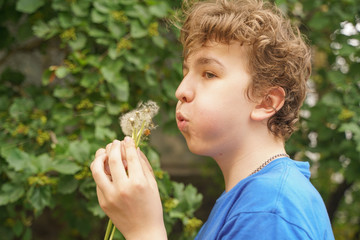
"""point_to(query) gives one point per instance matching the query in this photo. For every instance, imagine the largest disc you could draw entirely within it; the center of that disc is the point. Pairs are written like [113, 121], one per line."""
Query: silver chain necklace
[268, 161]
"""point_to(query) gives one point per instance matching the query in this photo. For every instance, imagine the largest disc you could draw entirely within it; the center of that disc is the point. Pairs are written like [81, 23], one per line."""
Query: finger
[134, 167]
[145, 164]
[107, 148]
[98, 172]
[99, 152]
[117, 168]
[101, 199]
[123, 156]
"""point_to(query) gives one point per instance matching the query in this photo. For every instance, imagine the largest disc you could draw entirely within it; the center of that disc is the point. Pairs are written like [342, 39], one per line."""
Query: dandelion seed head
[139, 118]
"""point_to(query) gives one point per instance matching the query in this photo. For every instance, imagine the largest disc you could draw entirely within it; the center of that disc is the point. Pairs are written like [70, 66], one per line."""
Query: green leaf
[120, 89]
[18, 228]
[111, 70]
[160, 10]
[88, 188]
[90, 80]
[79, 43]
[63, 92]
[80, 8]
[62, 72]
[39, 197]
[331, 99]
[101, 7]
[103, 133]
[80, 151]
[65, 20]
[103, 121]
[97, 33]
[159, 41]
[97, 17]
[29, 6]
[192, 197]
[318, 21]
[60, 5]
[5, 102]
[113, 109]
[140, 12]
[41, 163]
[67, 184]
[117, 30]
[65, 166]
[21, 108]
[44, 102]
[11, 192]
[16, 159]
[95, 209]
[136, 30]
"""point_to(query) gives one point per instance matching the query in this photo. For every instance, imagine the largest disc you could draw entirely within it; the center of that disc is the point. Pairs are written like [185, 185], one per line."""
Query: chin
[196, 149]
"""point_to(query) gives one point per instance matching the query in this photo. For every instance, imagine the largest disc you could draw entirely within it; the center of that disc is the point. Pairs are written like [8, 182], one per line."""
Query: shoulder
[267, 189]
[283, 191]
[281, 187]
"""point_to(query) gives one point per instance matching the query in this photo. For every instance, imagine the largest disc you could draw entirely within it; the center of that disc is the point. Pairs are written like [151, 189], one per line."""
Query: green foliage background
[115, 53]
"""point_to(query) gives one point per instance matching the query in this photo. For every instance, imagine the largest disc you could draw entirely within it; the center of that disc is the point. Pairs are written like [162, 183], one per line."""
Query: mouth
[181, 121]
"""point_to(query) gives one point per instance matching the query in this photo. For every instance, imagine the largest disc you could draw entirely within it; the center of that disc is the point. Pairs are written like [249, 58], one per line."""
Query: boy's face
[213, 112]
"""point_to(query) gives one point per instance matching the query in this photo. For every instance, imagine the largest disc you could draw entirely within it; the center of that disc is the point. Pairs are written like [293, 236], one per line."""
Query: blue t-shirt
[279, 202]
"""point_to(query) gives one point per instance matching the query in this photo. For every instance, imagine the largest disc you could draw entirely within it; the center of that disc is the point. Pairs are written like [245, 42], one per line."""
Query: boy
[245, 70]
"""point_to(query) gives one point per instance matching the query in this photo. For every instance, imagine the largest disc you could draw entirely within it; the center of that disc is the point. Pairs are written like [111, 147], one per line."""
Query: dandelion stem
[139, 134]
[112, 233]
[108, 228]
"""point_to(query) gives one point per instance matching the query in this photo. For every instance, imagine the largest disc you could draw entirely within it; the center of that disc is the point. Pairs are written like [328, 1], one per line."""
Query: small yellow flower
[124, 43]
[346, 114]
[21, 129]
[170, 204]
[71, 66]
[68, 34]
[42, 137]
[119, 16]
[153, 29]
[85, 172]
[85, 104]
[41, 179]
[192, 225]
[159, 174]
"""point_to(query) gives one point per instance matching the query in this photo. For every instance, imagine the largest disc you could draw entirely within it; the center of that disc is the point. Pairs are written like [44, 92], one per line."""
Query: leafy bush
[114, 53]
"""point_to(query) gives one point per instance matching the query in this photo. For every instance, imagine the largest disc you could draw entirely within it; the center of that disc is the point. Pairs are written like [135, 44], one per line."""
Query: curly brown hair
[277, 53]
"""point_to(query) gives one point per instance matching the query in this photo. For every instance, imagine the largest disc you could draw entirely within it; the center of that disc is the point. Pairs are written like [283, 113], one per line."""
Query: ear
[269, 104]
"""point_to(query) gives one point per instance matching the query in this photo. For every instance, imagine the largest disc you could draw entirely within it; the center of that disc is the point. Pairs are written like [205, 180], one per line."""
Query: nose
[185, 91]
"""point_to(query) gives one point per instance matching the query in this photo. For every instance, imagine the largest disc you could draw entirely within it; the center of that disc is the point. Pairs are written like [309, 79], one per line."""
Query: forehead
[214, 53]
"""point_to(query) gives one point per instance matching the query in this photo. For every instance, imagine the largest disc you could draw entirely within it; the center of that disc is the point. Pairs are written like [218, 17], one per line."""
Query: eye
[209, 75]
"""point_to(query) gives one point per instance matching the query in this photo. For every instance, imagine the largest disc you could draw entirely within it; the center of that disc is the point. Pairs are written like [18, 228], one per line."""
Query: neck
[238, 163]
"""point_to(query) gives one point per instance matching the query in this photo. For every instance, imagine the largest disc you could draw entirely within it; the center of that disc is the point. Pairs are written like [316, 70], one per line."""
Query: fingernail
[116, 141]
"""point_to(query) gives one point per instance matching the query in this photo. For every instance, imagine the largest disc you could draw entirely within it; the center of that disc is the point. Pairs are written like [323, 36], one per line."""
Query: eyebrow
[206, 61]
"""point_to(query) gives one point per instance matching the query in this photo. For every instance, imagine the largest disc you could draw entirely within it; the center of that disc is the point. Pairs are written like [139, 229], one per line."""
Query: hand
[131, 199]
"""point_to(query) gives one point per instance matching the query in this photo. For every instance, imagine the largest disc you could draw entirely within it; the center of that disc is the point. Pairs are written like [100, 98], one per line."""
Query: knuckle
[108, 147]
[138, 186]
[95, 173]
[99, 152]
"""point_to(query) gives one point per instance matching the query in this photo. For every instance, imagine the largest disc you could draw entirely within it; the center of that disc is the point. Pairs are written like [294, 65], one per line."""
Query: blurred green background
[70, 68]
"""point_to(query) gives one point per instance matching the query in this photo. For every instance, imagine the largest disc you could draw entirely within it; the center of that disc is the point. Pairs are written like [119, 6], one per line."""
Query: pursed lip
[181, 121]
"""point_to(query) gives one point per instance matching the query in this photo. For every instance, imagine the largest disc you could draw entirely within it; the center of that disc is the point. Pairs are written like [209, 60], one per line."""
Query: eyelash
[209, 75]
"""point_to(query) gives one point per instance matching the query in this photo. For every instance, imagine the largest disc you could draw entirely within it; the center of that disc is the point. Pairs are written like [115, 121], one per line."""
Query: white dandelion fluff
[138, 122]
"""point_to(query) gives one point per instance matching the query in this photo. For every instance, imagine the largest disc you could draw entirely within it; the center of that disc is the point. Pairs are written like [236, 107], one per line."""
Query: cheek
[210, 123]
